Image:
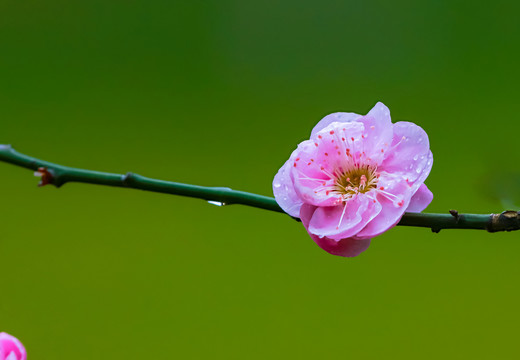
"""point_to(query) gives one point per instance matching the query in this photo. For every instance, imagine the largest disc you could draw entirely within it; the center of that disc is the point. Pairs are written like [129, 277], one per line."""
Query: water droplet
[418, 170]
[277, 185]
[216, 203]
[419, 140]
[416, 157]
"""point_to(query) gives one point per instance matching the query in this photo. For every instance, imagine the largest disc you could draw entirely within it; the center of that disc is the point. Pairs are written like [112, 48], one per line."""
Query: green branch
[59, 175]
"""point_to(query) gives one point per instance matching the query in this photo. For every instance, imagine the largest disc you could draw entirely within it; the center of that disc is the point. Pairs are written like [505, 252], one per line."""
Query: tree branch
[59, 175]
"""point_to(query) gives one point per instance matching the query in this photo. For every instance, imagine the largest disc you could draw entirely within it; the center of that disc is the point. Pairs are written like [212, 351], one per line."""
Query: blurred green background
[219, 93]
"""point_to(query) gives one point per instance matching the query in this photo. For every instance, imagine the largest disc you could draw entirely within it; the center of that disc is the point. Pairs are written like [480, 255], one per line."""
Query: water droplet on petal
[418, 170]
[416, 157]
[277, 185]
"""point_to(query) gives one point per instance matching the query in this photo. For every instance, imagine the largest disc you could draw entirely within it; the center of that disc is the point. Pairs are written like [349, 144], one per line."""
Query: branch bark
[58, 175]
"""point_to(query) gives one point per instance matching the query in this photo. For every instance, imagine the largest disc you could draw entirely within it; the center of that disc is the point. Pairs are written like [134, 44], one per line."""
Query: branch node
[46, 176]
[508, 220]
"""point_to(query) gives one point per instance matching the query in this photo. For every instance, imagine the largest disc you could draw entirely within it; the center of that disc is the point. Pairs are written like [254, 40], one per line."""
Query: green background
[219, 93]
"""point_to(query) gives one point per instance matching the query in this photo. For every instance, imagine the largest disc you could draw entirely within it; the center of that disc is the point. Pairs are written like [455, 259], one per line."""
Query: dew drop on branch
[216, 203]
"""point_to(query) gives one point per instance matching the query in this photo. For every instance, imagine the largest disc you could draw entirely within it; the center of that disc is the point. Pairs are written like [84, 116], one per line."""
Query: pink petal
[333, 142]
[10, 345]
[420, 200]
[348, 247]
[377, 139]
[378, 132]
[283, 190]
[319, 158]
[342, 221]
[409, 154]
[393, 206]
[308, 177]
[12, 356]
[341, 117]
[381, 113]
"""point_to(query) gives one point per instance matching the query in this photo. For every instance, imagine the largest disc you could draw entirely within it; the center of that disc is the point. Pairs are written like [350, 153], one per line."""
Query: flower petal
[307, 175]
[409, 155]
[12, 356]
[378, 132]
[323, 156]
[394, 198]
[342, 221]
[10, 345]
[381, 113]
[334, 141]
[341, 117]
[283, 190]
[348, 247]
[420, 200]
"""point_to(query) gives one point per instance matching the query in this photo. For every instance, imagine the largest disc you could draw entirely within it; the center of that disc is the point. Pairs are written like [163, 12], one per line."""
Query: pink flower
[355, 178]
[11, 348]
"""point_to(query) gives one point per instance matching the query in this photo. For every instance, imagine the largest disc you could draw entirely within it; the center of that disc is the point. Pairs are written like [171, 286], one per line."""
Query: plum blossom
[355, 178]
[11, 348]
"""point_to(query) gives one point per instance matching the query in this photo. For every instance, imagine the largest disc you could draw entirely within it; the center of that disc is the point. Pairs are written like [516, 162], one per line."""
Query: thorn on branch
[125, 179]
[455, 214]
[46, 176]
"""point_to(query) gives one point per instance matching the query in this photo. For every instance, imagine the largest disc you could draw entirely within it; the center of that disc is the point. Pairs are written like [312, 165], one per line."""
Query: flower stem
[58, 175]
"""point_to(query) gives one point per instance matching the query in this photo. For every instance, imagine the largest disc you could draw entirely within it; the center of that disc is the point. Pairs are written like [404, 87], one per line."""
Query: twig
[59, 175]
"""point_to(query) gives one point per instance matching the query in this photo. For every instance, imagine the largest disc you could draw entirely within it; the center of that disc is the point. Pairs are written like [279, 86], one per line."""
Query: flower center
[358, 179]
